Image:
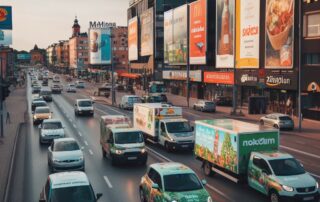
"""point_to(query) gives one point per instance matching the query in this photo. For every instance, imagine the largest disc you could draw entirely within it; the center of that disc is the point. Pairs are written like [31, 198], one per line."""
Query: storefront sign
[247, 35]
[133, 39]
[219, 77]
[310, 79]
[246, 77]
[198, 32]
[195, 76]
[281, 80]
[279, 33]
[225, 33]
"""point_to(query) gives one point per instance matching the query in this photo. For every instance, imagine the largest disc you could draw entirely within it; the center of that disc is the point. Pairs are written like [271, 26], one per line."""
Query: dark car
[45, 82]
[46, 94]
[223, 101]
[36, 89]
[152, 99]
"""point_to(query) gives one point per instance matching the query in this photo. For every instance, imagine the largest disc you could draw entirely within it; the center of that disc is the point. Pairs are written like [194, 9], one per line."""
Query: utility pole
[1, 100]
[299, 70]
[188, 59]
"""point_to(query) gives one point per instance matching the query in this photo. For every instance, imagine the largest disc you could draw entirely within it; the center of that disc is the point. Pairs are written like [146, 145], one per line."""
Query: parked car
[65, 154]
[223, 101]
[80, 84]
[205, 106]
[279, 121]
[40, 114]
[50, 129]
[172, 182]
[71, 88]
[128, 101]
[36, 89]
[83, 107]
[56, 89]
[67, 187]
[46, 94]
[38, 103]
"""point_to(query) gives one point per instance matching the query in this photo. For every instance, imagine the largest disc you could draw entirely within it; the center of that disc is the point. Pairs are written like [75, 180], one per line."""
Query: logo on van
[258, 142]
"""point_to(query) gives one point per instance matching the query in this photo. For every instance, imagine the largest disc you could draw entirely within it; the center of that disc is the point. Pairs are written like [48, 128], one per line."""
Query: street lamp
[113, 92]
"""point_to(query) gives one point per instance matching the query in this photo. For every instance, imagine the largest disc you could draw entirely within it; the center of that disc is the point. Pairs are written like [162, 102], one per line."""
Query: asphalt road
[120, 183]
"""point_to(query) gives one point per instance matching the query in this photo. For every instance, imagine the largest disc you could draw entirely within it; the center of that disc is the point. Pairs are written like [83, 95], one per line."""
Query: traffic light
[5, 91]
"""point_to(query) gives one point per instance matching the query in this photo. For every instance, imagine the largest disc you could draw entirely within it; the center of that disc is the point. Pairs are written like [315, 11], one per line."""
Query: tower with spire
[75, 28]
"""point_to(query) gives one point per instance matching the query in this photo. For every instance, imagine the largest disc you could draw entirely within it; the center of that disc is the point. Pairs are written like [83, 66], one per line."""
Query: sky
[44, 22]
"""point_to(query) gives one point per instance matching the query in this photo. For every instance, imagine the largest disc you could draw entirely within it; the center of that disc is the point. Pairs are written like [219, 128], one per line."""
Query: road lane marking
[74, 125]
[118, 112]
[90, 151]
[107, 181]
[80, 134]
[86, 143]
[70, 120]
[300, 152]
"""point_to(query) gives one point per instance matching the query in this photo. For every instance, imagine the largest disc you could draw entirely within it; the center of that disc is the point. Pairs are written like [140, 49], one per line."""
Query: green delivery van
[242, 151]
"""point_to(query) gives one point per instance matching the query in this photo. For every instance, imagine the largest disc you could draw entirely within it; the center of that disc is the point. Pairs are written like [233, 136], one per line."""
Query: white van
[128, 101]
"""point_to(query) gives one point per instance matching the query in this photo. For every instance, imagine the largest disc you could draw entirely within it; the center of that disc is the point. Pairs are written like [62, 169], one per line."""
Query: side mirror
[99, 196]
[82, 148]
[49, 148]
[265, 172]
[204, 182]
[39, 126]
[192, 128]
[155, 186]
[33, 112]
[109, 141]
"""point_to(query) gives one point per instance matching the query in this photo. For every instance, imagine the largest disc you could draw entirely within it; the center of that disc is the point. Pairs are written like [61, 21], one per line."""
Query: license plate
[308, 198]
[132, 158]
[185, 146]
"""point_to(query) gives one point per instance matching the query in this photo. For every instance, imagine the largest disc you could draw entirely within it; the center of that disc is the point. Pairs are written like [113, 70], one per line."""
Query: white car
[71, 88]
[128, 101]
[84, 107]
[50, 129]
[205, 106]
[80, 84]
[278, 121]
[65, 154]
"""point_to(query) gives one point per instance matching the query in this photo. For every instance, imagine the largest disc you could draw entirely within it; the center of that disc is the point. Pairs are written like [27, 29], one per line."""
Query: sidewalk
[16, 105]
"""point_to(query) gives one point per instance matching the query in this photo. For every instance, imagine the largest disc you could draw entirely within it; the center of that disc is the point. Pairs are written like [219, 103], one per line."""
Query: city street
[121, 183]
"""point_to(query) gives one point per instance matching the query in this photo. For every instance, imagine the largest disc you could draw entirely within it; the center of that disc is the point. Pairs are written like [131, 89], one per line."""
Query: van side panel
[144, 119]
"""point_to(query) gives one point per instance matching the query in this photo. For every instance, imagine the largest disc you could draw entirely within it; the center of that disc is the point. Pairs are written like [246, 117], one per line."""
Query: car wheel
[274, 196]
[142, 197]
[206, 167]
[261, 122]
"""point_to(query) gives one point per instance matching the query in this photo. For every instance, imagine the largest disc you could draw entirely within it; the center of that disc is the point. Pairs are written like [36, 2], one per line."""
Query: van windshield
[134, 100]
[86, 103]
[181, 182]
[286, 167]
[178, 127]
[128, 138]
[67, 194]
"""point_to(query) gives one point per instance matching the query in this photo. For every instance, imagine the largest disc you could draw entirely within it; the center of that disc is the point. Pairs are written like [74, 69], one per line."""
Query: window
[163, 128]
[312, 59]
[155, 177]
[311, 26]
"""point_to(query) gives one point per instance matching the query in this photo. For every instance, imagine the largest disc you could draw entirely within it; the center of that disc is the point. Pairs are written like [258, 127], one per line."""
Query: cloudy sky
[43, 22]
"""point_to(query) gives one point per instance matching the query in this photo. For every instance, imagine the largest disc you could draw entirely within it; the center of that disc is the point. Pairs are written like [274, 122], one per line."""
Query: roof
[64, 139]
[45, 107]
[271, 155]
[38, 101]
[171, 168]
[123, 128]
[51, 121]
[156, 105]
[174, 120]
[68, 179]
[115, 119]
[235, 126]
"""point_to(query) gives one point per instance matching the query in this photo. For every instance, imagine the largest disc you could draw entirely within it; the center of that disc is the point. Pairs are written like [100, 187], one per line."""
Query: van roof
[68, 179]
[124, 129]
[156, 105]
[115, 119]
[170, 168]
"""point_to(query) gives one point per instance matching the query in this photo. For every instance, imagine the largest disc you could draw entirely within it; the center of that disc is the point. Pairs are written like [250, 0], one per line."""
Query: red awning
[130, 75]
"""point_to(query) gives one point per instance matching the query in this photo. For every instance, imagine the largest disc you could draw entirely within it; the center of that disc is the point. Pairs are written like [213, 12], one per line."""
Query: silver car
[50, 129]
[205, 106]
[65, 154]
[279, 121]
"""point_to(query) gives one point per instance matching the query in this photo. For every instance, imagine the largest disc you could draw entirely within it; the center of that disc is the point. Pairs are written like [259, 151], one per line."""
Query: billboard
[133, 39]
[219, 77]
[225, 33]
[5, 37]
[23, 56]
[198, 32]
[175, 46]
[194, 75]
[100, 46]
[146, 23]
[5, 17]
[247, 34]
[279, 34]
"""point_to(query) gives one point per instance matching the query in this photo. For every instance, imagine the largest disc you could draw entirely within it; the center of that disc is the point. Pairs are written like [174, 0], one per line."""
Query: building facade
[38, 56]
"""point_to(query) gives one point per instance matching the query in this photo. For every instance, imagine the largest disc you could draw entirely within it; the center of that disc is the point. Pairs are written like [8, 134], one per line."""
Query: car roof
[272, 155]
[52, 121]
[171, 168]
[78, 100]
[67, 139]
[68, 179]
[43, 108]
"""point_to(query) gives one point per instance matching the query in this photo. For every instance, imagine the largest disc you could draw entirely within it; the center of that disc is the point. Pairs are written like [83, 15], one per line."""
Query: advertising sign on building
[175, 47]
[146, 22]
[100, 46]
[225, 34]
[5, 17]
[198, 32]
[279, 34]
[247, 78]
[247, 34]
[219, 77]
[23, 56]
[133, 39]
[194, 75]
[284, 80]
[5, 37]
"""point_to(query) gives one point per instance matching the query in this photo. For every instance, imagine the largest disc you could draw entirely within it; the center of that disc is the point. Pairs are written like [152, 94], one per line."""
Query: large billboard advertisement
[100, 46]
[225, 34]
[219, 77]
[23, 56]
[133, 38]
[175, 46]
[5, 17]
[146, 22]
[247, 34]
[279, 34]
[5, 37]
[195, 75]
[198, 32]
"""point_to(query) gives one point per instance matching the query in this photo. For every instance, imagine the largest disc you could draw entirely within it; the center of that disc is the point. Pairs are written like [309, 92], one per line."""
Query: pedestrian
[8, 119]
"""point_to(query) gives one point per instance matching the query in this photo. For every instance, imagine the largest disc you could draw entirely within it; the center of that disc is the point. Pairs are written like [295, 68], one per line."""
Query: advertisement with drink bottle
[225, 34]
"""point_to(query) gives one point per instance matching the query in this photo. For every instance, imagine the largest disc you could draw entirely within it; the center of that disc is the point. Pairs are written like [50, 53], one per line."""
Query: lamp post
[1, 99]
[113, 92]
[299, 70]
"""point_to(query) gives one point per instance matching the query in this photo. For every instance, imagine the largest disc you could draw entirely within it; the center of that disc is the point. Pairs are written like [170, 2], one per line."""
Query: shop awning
[130, 75]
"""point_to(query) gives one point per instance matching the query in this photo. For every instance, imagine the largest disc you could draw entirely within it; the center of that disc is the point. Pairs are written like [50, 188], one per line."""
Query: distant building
[22, 57]
[37, 56]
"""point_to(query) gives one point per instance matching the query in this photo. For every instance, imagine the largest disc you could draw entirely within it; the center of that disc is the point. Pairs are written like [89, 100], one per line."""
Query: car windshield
[52, 125]
[209, 103]
[42, 110]
[285, 118]
[86, 103]
[66, 146]
[134, 100]
[156, 99]
[78, 194]
[286, 167]
[45, 93]
[178, 127]
[181, 182]
[128, 138]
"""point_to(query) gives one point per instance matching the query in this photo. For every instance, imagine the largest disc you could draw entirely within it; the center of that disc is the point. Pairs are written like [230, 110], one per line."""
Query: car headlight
[171, 139]
[35, 117]
[118, 151]
[209, 199]
[287, 188]
[50, 116]
[317, 185]
[143, 150]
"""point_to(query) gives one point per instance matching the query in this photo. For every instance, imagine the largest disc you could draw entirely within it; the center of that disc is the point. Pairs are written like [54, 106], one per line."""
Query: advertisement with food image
[279, 34]
[133, 39]
[146, 21]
